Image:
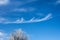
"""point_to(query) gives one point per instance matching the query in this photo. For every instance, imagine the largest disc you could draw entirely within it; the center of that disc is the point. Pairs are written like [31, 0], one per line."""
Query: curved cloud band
[5, 21]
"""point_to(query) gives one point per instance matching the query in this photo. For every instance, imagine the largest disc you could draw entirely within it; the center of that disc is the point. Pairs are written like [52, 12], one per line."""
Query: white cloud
[2, 20]
[30, 9]
[20, 10]
[20, 2]
[3, 35]
[4, 2]
[49, 16]
[43, 19]
[57, 2]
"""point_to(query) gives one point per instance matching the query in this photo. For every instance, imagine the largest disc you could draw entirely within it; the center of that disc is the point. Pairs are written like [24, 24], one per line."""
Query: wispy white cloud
[2, 20]
[4, 2]
[30, 9]
[2, 35]
[22, 20]
[21, 2]
[57, 2]
[15, 2]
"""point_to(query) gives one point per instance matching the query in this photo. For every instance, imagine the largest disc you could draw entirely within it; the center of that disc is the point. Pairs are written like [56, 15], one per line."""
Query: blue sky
[39, 18]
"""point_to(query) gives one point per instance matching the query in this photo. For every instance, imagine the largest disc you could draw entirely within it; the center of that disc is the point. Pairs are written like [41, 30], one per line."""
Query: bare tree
[18, 35]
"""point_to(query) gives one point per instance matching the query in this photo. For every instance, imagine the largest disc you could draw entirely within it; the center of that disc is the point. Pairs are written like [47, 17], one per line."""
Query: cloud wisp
[3, 35]
[30, 9]
[15, 2]
[22, 20]
[58, 2]
[4, 2]
[21, 2]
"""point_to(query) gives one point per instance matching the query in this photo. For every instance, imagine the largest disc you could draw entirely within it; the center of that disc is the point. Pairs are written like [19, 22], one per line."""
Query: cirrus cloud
[30, 9]
[22, 20]
[4, 2]
[3, 35]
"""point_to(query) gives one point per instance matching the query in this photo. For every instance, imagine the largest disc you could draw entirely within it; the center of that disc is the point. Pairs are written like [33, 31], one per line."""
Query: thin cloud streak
[30, 9]
[21, 2]
[22, 20]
